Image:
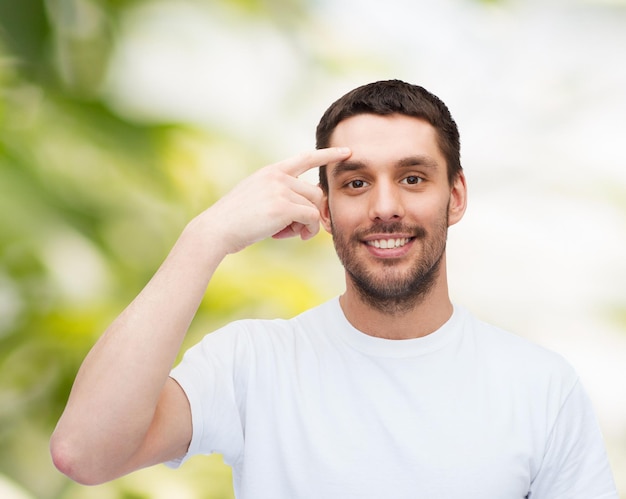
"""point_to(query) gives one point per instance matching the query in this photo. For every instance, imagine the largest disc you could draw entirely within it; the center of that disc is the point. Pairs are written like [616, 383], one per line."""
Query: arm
[124, 412]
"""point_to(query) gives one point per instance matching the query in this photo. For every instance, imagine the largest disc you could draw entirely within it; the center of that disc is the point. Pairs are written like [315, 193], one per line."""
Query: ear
[458, 199]
[325, 214]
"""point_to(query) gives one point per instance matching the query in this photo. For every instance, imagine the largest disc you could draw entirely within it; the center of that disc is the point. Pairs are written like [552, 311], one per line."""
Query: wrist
[204, 240]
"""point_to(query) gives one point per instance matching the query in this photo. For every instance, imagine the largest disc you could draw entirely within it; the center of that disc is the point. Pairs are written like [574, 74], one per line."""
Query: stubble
[384, 286]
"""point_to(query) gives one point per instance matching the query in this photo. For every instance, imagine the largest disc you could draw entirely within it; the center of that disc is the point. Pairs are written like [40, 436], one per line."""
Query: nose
[385, 202]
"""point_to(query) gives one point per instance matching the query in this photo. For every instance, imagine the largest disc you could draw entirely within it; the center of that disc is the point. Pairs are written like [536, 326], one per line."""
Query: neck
[420, 319]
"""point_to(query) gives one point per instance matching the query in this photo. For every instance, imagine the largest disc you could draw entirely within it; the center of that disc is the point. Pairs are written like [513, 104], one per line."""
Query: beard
[391, 290]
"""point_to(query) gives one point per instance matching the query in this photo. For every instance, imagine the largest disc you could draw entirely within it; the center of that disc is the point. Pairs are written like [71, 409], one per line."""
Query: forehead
[385, 139]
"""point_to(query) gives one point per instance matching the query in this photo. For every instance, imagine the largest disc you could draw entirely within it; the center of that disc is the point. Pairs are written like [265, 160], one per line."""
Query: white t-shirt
[313, 408]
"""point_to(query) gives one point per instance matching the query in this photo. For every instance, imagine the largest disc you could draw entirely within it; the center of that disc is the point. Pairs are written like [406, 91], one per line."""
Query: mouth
[388, 243]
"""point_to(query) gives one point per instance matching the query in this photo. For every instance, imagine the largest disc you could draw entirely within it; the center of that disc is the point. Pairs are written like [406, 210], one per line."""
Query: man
[387, 391]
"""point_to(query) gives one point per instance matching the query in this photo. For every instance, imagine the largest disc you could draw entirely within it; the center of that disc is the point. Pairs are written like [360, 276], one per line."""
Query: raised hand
[271, 202]
[143, 416]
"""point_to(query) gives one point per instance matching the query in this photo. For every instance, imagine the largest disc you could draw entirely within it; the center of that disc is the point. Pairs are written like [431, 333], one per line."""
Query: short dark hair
[394, 97]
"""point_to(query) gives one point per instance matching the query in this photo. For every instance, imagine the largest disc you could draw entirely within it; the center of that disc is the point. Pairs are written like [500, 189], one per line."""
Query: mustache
[415, 231]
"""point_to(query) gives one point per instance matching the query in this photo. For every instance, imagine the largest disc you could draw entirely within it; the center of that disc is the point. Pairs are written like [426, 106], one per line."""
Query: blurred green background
[121, 120]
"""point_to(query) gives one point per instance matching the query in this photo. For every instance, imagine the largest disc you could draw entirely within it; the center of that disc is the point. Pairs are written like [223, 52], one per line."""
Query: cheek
[344, 214]
[432, 214]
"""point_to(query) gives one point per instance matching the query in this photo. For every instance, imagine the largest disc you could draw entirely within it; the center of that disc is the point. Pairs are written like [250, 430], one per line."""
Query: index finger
[301, 163]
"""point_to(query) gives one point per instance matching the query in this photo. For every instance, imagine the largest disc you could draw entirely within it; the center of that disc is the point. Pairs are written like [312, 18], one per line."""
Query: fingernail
[344, 150]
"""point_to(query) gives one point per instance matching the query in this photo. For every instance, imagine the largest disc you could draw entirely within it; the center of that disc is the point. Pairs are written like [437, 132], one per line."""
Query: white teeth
[388, 243]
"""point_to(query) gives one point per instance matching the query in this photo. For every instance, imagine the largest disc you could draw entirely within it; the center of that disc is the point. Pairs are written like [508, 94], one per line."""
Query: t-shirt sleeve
[207, 376]
[575, 464]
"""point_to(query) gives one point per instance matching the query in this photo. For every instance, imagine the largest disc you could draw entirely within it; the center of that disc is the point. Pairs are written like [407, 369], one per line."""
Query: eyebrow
[347, 166]
[409, 161]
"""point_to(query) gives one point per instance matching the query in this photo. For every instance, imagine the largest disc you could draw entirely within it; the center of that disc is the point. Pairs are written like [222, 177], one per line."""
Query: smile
[388, 243]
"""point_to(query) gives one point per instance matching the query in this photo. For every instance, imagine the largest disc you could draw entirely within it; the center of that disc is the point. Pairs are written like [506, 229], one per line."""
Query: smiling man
[389, 390]
[388, 208]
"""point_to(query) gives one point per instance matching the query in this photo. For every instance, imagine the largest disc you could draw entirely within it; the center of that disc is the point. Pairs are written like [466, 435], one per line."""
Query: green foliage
[90, 203]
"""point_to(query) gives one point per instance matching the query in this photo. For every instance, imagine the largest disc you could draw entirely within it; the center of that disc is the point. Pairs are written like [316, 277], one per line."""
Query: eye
[412, 180]
[356, 184]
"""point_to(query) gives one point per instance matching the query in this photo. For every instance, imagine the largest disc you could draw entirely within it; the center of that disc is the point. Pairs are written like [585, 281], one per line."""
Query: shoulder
[256, 333]
[496, 340]
[512, 354]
